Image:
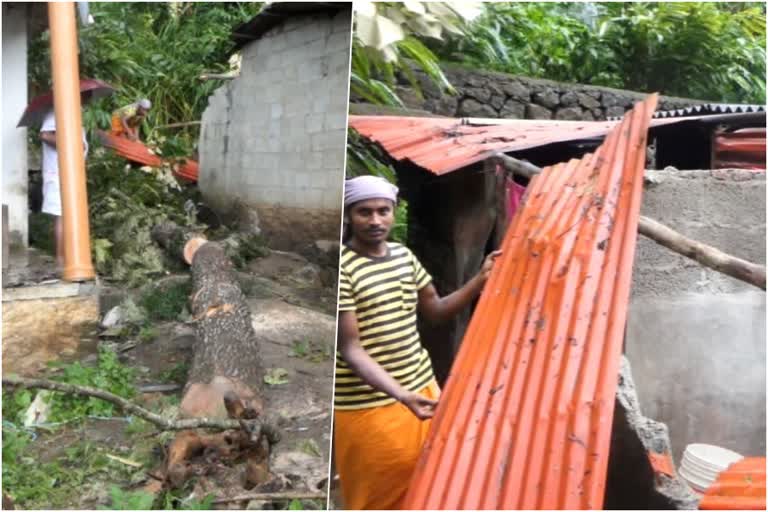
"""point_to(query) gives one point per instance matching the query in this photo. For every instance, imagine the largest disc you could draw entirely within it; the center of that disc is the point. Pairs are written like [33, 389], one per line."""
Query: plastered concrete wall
[695, 337]
[14, 82]
[274, 138]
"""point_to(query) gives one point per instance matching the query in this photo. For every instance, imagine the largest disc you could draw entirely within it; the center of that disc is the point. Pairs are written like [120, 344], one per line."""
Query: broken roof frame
[526, 415]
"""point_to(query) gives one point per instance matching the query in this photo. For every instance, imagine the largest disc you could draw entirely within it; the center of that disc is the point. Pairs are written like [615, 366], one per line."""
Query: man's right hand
[421, 406]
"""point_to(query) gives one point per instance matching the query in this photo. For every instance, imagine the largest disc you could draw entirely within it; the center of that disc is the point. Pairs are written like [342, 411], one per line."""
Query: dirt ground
[293, 312]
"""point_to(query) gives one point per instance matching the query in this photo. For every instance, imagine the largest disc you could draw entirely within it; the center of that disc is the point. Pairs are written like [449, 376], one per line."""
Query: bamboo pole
[69, 143]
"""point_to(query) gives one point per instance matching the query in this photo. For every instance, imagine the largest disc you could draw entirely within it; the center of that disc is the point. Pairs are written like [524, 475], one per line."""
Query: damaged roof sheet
[443, 145]
[740, 487]
[525, 419]
[740, 149]
[135, 151]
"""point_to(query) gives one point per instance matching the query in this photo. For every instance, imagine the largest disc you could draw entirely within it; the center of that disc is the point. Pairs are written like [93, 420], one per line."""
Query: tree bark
[663, 235]
[226, 355]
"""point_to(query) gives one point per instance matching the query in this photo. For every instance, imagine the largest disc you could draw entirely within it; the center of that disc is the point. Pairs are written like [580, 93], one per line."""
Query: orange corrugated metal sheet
[443, 145]
[525, 418]
[740, 149]
[135, 151]
[740, 487]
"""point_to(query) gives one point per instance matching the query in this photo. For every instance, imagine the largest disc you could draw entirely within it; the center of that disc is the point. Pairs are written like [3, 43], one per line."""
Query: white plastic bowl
[702, 463]
[712, 456]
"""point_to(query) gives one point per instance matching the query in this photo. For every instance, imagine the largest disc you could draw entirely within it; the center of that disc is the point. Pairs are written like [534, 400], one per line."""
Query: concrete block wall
[695, 337]
[274, 138]
[14, 82]
[497, 95]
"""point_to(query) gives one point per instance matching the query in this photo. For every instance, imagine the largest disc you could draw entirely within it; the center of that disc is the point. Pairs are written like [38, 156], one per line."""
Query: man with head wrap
[126, 120]
[385, 390]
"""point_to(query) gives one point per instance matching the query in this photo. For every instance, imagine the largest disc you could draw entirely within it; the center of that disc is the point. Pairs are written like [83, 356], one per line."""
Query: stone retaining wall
[497, 95]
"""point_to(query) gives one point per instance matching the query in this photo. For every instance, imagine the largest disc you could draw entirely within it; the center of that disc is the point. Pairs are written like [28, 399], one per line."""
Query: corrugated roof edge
[706, 109]
[276, 13]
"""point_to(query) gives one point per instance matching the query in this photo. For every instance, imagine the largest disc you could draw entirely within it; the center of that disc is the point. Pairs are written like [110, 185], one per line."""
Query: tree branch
[274, 496]
[129, 407]
[704, 254]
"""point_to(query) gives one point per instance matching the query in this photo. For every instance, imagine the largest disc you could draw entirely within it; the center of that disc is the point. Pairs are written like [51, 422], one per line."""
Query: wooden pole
[704, 254]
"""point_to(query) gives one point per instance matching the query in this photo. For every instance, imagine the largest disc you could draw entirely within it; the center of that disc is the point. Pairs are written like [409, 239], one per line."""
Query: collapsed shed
[460, 203]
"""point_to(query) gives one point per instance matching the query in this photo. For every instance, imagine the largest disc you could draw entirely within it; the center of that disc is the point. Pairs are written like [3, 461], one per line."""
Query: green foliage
[174, 500]
[310, 350]
[177, 373]
[108, 374]
[388, 38]
[399, 231]
[241, 248]
[166, 302]
[36, 484]
[15, 403]
[152, 50]
[41, 232]
[147, 334]
[295, 505]
[125, 500]
[276, 376]
[125, 204]
[707, 50]
[309, 446]
[365, 158]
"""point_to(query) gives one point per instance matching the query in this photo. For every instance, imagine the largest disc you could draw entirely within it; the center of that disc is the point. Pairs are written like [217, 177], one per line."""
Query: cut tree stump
[226, 354]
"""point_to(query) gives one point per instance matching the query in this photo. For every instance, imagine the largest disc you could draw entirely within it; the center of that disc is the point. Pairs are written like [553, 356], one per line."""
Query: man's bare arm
[372, 373]
[439, 309]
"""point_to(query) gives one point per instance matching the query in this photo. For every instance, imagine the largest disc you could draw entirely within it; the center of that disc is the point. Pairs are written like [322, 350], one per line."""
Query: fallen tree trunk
[226, 355]
[226, 372]
[663, 235]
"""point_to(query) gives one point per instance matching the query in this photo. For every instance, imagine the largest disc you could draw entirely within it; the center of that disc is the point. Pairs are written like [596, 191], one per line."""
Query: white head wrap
[145, 104]
[368, 187]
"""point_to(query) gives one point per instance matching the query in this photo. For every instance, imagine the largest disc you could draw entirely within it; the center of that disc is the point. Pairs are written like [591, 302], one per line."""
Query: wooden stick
[704, 254]
[274, 496]
[178, 125]
[216, 76]
[131, 408]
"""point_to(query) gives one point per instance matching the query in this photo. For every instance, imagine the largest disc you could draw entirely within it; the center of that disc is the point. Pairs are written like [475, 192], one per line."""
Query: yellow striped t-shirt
[383, 293]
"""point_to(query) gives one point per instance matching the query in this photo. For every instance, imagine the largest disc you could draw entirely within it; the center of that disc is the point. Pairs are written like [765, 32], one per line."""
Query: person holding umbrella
[51, 183]
[40, 112]
[126, 120]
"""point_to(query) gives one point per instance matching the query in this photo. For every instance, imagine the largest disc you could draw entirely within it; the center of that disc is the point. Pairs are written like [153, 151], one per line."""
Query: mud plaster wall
[498, 95]
[274, 138]
[14, 83]
[696, 338]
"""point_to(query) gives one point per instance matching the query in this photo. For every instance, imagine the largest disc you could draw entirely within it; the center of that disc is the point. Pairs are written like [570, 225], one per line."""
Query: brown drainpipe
[69, 142]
